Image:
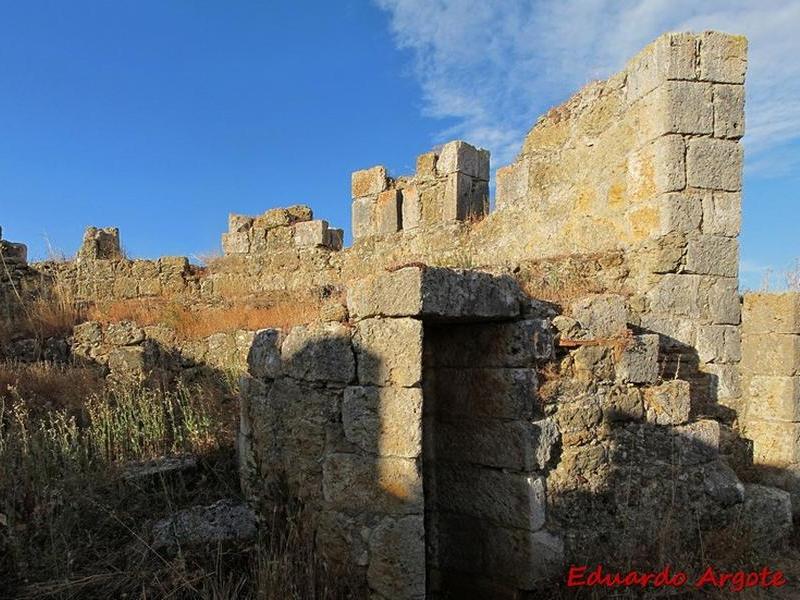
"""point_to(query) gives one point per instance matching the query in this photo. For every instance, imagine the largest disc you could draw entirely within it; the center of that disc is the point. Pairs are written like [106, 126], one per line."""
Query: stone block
[397, 558]
[384, 421]
[722, 213]
[264, 355]
[524, 559]
[774, 398]
[124, 333]
[319, 352]
[726, 381]
[728, 111]
[766, 516]
[388, 215]
[638, 362]
[723, 57]
[713, 255]
[680, 212]
[363, 217]
[714, 164]
[411, 208]
[503, 498]
[426, 165]
[771, 354]
[719, 343]
[13, 254]
[502, 393]
[512, 184]
[684, 107]
[311, 234]
[463, 198]
[389, 352]
[697, 442]
[127, 360]
[100, 243]
[724, 302]
[334, 239]
[775, 443]
[671, 56]
[283, 217]
[527, 446]
[657, 168]
[771, 312]
[369, 182]
[458, 156]
[513, 344]
[235, 243]
[668, 403]
[435, 293]
[604, 315]
[356, 483]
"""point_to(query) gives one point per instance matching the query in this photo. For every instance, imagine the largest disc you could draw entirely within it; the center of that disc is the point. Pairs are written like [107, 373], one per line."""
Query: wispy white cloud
[491, 68]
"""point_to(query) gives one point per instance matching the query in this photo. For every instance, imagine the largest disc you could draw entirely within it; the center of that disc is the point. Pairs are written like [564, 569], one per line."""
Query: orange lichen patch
[644, 221]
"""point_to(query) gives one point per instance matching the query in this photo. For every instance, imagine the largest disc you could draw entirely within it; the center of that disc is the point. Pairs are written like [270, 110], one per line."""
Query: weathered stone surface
[128, 360]
[774, 398]
[722, 213]
[771, 312]
[766, 515]
[355, 483]
[100, 244]
[671, 56]
[283, 217]
[604, 315]
[668, 403]
[89, 332]
[526, 446]
[223, 521]
[514, 344]
[384, 421]
[436, 293]
[264, 355]
[721, 343]
[164, 467]
[506, 499]
[369, 182]
[389, 351]
[684, 107]
[728, 111]
[775, 443]
[464, 198]
[659, 167]
[235, 243]
[714, 164]
[319, 352]
[722, 485]
[458, 156]
[638, 362]
[723, 57]
[397, 559]
[512, 184]
[697, 442]
[503, 393]
[771, 354]
[124, 333]
[713, 255]
[311, 234]
[388, 212]
[363, 217]
[411, 209]
[13, 253]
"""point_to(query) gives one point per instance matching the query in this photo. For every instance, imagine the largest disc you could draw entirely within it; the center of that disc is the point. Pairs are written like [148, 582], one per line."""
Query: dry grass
[72, 527]
[47, 387]
[53, 312]
[196, 323]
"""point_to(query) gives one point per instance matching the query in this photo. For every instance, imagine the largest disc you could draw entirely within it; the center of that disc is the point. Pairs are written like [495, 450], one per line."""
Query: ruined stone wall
[771, 382]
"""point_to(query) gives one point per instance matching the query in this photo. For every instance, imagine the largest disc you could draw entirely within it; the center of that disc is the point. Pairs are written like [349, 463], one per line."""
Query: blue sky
[163, 116]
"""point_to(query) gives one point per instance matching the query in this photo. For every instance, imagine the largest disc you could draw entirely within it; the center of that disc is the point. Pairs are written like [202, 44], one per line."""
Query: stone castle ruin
[488, 396]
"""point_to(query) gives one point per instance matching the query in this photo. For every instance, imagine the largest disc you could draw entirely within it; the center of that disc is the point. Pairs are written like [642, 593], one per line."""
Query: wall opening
[483, 498]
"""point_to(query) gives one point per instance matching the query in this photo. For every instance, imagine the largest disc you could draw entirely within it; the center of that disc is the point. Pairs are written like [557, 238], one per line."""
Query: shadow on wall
[444, 459]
